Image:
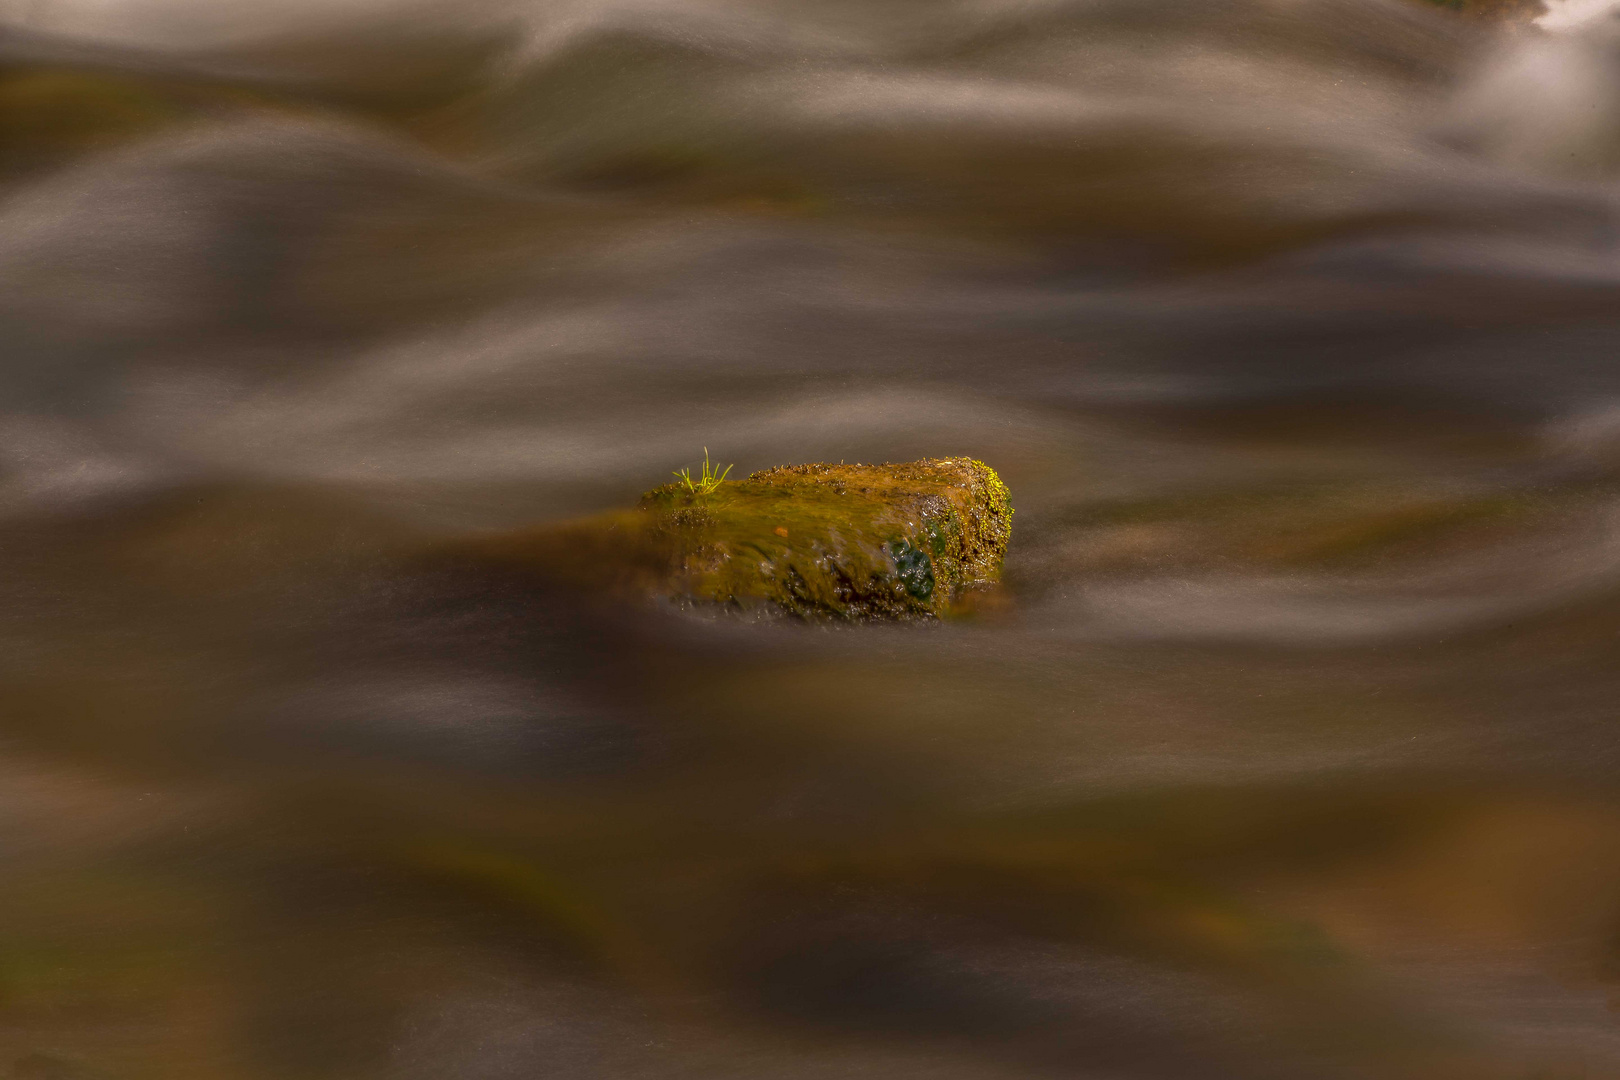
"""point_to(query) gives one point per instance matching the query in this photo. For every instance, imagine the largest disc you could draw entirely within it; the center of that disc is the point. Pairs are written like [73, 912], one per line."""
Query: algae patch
[820, 541]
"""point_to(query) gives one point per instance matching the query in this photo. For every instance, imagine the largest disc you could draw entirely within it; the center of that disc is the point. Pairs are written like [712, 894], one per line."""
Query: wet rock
[837, 542]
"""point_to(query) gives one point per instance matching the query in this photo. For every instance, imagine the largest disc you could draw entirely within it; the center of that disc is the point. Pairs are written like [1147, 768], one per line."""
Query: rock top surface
[819, 541]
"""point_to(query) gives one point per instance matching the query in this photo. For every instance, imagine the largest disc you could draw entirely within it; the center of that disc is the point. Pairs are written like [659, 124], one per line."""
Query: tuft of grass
[705, 482]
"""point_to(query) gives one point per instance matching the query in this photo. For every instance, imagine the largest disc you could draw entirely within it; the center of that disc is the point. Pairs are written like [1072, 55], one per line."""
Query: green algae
[819, 541]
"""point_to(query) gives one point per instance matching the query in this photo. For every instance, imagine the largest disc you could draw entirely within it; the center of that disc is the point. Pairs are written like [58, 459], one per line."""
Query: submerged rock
[855, 542]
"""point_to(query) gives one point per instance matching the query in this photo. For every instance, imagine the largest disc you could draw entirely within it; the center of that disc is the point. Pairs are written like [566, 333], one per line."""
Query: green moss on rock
[841, 542]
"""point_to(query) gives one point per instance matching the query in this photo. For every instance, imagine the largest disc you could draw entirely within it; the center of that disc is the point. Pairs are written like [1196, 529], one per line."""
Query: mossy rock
[833, 542]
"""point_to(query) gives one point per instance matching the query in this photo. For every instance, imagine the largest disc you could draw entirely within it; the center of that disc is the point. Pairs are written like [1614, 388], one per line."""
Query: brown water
[1292, 325]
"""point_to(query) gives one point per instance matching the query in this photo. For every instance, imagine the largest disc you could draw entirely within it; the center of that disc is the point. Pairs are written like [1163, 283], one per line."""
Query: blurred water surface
[1292, 325]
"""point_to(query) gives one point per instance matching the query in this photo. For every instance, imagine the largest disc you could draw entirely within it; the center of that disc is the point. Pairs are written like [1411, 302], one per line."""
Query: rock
[833, 542]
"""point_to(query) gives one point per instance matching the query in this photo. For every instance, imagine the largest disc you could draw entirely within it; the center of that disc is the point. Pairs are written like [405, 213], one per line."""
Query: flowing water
[1293, 752]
